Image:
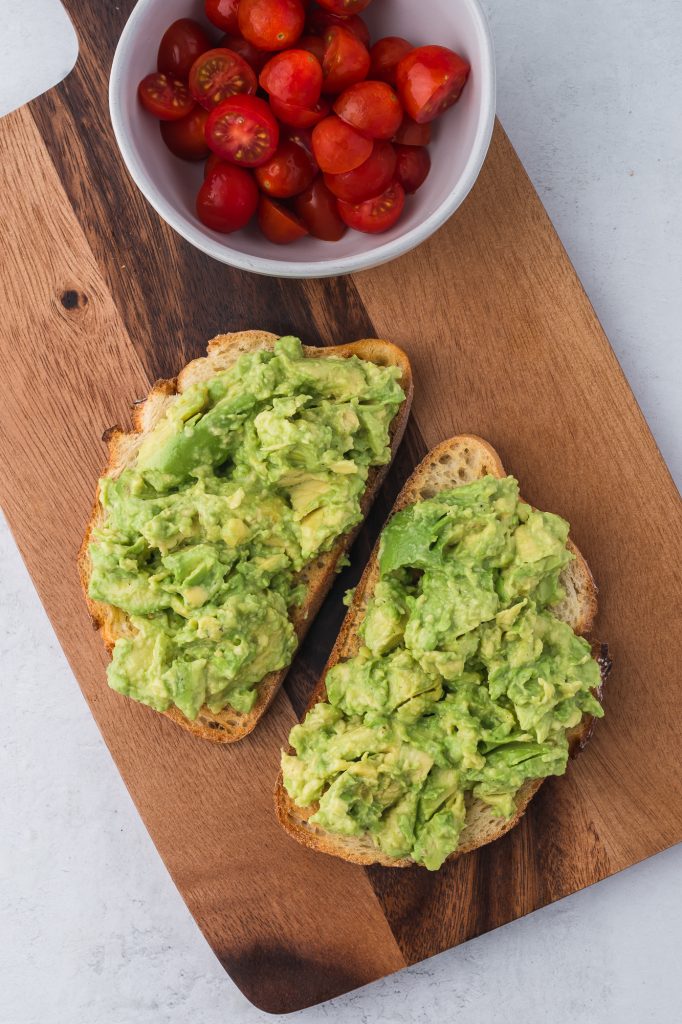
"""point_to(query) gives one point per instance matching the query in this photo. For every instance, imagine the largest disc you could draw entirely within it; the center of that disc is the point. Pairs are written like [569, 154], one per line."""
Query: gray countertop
[92, 931]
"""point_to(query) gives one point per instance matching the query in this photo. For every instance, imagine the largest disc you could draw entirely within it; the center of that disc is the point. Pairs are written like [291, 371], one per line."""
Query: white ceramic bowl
[461, 140]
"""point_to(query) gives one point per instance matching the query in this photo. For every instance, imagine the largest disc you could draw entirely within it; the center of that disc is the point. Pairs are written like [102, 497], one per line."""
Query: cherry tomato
[223, 14]
[186, 137]
[211, 164]
[271, 24]
[338, 147]
[313, 44]
[242, 130]
[345, 62]
[256, 59]
[279, 224]
[302, 137]
[372, 108]
[227, 199]
[180, 46]
[217, 74]
[165, 97]
[287, 173]
[413, 166]
[299, 117]
[319, 21]
[375, 215]
[344, 7]
[319, 211]
[430, 79]
[294, 77]
[369, 179]
[385, 56]
[412, 134]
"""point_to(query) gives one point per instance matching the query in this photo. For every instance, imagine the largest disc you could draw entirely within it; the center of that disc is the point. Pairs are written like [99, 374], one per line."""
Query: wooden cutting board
[99, 298]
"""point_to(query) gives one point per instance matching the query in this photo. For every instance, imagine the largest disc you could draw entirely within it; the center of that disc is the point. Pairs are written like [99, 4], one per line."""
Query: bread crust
[458, 460]
[229, 726]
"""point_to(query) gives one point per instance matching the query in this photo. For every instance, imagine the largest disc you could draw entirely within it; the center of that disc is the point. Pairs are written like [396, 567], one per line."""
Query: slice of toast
[457, 461]
[228, 726]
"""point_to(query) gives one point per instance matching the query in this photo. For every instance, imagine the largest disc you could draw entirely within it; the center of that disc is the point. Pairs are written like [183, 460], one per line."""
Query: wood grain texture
[99, 298]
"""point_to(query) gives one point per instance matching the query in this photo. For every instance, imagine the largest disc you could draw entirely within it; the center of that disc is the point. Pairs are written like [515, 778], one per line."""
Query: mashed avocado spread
[250, 475]
[466, 683]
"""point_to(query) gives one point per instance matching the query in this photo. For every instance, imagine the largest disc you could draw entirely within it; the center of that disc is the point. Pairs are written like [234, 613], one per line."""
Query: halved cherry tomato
[294, 77]
[279, 224]
[412, 134]
[186, 137]
[302, 137]
[299, 117]
[180, 46]
[372, 108]
[287, 173]
[223, 14]
[211, 164]
[165, 97]
[338, 147]
[319, 211]
[369, 179]
[345, 62]
[256, 59]
[242, 130]
[271, 24]
[375, 215]
[220, 73]
[430, 79]
[344, 7]
[228, 198]
[319, 21]
[313, 44]
[413, 166]
[385, 56]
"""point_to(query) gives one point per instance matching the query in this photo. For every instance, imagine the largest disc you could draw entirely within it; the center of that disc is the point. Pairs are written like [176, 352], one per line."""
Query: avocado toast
[221, 519]
[459, 680]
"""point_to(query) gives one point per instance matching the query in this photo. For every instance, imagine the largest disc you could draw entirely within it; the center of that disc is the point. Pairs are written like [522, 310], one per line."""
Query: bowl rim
[272, 267]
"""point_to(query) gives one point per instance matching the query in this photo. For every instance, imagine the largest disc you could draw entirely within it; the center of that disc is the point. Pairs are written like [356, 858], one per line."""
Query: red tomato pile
[301, 120]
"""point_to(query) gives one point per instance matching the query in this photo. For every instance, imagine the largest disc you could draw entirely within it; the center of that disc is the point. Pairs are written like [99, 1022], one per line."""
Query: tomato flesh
[271, 24]
[430, 79]
[243, 131]
[345, 61]
[338, 147]
[385, 56]
[412, 167]
[372, 108]
[220, 73]
[256, 59]
[412, 134]
[319, 21]
[293, 77]
[288, 172]
[375, 215]
[223, 14]
[180, 45]
[299, 117]
[165, 97]
[369, 179]
[228, 199]
[279, 224]
[185, 138]
[319, 211]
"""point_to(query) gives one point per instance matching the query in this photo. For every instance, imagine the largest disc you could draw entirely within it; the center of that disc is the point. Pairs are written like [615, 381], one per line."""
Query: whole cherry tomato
[185, 138]
[430, 79]
[279, 224]
[319, 211]
[319, 21]
[299, 117]
[345, 61]
[165, 97]
[271, 24]
[375, 215]
[413, 166]
[223, 14]
[293, 77]
[302, 137]
[368, 180]
[242, 130]
[211, 164]
[385, 56]
[228, 198]
[313, 44]
[338, 147]
[220, 73]
[412, 134]
[344, 7]
[372, 108]
[256, 59]
[180, 46]
[288, 172]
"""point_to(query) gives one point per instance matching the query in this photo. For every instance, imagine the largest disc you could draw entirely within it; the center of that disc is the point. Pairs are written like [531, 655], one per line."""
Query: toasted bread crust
[456, 461]
[229, 726]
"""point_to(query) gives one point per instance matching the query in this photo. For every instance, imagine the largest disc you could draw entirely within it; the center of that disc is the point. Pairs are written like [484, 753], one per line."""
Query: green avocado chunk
[247, 478]
[465, 685]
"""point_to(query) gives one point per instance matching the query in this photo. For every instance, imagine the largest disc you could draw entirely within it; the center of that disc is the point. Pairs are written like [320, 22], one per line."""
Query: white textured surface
[92, 930]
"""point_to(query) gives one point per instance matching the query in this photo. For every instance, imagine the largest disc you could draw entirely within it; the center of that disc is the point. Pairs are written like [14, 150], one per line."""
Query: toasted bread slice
[228, 726]
[457, 461]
